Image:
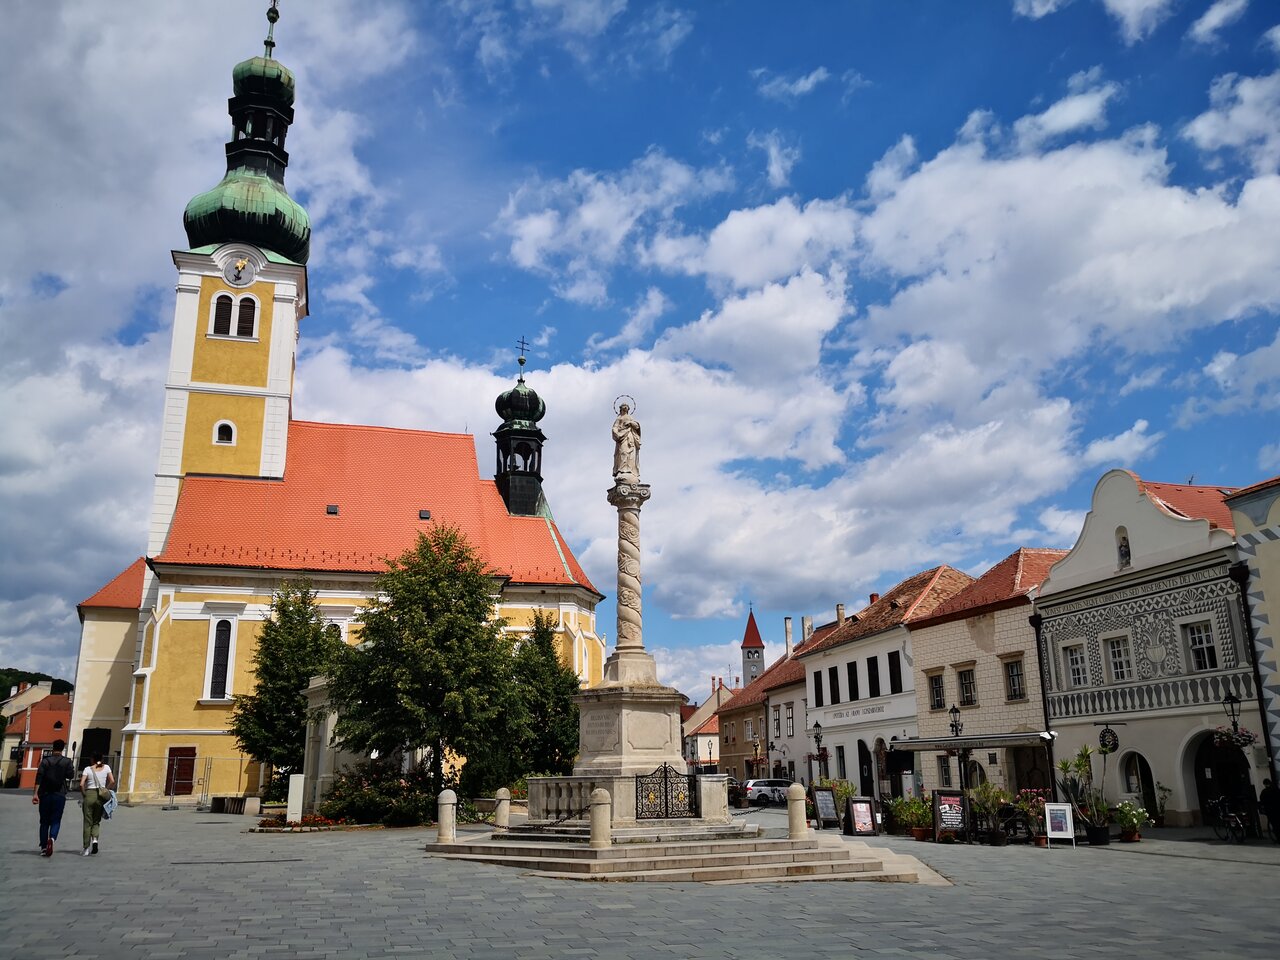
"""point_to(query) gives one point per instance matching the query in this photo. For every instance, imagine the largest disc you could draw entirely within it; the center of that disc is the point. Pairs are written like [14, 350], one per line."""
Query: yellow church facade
[246, 497]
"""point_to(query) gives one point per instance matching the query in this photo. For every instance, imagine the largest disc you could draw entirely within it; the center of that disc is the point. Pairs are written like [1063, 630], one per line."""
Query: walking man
[53, 777]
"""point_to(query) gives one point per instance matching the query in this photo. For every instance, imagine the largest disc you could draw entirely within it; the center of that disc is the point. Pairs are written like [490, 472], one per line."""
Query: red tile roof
[125, 591]
[1009, 581]
[1183, 500]
[913, 599]
[710, 725]
[379, 478]
[1260, 485]
[780, 673]
[751, 637]
[687, 710]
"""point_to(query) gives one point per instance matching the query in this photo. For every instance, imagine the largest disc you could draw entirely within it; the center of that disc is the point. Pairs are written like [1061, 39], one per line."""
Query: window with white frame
[1015, 680]
[243, 310]
[944, 770]
[968, 687]
[777, 722]
[221, 634]
[224, 433]
[1199, 637]
[1119, 659]
[1077, 673]
[747, 730]
[937, 692]
[791, 720]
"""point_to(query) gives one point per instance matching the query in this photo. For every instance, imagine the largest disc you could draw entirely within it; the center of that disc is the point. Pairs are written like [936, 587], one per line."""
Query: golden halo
[631, 403]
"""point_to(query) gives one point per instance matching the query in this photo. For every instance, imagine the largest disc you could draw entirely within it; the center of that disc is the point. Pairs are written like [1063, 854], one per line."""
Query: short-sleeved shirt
[54, 774]
[95, 778]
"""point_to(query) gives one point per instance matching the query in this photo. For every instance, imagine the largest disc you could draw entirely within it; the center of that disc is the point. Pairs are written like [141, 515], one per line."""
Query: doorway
[866, 771]
[1223, 772]
[180, 774]
[1136, 775]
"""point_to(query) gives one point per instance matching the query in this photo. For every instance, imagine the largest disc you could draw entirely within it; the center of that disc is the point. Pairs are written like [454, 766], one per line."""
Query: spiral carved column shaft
[628, 499]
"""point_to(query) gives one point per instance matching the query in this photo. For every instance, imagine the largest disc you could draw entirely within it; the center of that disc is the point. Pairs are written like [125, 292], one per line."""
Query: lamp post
[1231, 706]
[962, 755]
[755, 755]
[817, 742]
[709, 764]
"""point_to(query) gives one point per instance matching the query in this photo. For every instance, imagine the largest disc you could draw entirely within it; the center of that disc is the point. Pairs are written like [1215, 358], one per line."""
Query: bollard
[797, 822]
[447, 817]
[502, 811]
[601, 819]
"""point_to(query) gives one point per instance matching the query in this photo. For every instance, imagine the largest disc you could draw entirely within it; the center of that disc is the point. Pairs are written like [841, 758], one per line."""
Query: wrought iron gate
[666, 795]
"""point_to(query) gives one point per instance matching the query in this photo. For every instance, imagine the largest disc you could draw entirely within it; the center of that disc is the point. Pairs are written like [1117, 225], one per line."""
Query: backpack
[56, 773]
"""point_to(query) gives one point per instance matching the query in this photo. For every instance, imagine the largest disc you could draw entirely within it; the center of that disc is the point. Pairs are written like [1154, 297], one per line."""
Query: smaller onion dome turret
[519, 440]
[251, 203]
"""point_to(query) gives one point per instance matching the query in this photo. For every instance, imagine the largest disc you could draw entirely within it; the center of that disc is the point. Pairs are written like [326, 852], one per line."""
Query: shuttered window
[221, 653]
[244, 320]
[222, 316]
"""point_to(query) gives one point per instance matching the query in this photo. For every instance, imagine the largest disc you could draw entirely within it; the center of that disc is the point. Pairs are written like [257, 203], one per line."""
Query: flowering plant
[1131, 816]
[1226, 737]
[1031, 802]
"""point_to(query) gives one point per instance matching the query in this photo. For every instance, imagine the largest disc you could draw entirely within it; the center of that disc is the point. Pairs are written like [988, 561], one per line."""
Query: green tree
[294, 645]
[538, 731]
[434, 669]
[546, 686]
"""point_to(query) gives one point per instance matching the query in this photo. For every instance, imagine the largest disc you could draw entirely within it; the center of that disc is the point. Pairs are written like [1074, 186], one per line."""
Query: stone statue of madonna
[626, 446]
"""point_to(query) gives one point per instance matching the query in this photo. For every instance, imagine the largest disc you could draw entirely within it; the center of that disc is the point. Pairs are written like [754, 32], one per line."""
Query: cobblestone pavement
[180, 884]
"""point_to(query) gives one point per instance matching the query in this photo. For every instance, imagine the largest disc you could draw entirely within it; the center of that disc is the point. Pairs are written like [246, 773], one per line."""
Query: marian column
[628, 495]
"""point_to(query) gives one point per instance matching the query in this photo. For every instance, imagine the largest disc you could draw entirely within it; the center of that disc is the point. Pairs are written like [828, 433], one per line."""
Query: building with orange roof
[860, 685]
[976, 653]
[694, 750]
[30, 733]
[247, 496]
[1142, 632]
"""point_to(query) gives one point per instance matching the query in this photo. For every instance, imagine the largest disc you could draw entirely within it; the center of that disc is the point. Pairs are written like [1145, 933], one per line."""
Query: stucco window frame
[940, 674]
[1108, 661]
[218, 611]
[235, 434]
[960, 668]
[1067, 676]
[1181, 624]
[944, 772]
[236, 298]
[1020, 658]
[791, 719]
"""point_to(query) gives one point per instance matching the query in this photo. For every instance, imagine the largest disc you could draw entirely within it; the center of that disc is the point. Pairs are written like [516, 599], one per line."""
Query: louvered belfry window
[221, 654]
[222, 316]
[244, 321]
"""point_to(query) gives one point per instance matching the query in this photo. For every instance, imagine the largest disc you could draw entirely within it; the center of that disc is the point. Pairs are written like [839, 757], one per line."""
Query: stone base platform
[648, 831]
[717, 861]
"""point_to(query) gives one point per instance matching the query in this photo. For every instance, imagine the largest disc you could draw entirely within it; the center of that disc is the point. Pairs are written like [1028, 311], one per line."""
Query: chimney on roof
[806, 629]
[737, 682]
[840, 613]
[22, 685]
[875, 597]
[786, 628]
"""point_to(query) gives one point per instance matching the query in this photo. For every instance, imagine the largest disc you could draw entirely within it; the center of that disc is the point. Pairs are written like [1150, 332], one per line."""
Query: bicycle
[1227, 824]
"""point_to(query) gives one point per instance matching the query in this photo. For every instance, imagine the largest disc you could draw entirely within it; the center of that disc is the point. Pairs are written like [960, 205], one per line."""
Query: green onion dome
[520, 406]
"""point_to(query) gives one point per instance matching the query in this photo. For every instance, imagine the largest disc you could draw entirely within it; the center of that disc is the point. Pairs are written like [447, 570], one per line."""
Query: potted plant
[1030, 802]
[916, 815]
[1131, 818]
[1089, 802]
[1162, 800]
[987, 799]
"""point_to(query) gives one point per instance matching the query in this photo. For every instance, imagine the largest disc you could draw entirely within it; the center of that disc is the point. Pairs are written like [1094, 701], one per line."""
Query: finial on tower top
[523, 344]
[273, 15]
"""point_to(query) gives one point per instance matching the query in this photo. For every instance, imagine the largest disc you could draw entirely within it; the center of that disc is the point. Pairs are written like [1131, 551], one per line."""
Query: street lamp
[962, 755]
[817, 742]
[708, 755]
[1231, 706]
[956, 726]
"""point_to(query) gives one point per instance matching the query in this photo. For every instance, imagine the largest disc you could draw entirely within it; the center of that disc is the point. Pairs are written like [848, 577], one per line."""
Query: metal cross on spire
[273, 15]
[523, 344]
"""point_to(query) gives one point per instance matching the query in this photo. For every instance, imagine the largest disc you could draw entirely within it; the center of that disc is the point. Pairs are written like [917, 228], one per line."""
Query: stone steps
[654, 832]
[723, 861]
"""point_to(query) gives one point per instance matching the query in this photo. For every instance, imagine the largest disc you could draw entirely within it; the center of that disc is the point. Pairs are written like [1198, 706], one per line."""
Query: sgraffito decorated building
[246, 496]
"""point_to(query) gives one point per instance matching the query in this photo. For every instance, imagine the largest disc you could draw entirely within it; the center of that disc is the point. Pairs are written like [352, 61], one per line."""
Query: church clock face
[239, 272]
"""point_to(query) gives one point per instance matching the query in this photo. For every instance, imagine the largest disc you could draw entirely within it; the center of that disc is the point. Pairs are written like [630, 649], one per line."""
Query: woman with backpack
[96, 784]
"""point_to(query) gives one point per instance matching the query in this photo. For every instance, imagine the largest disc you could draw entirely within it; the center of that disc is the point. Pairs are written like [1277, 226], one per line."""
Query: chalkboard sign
[824, 802]
[948, 813]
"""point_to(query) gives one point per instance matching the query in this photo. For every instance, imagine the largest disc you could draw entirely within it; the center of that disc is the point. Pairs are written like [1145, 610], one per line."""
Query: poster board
[1059, 823]
[948, 813]
[824, 805]
[861, 812]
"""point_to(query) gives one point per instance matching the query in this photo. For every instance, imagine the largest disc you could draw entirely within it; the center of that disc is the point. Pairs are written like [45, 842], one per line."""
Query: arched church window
[225, 433]
[221, 656]
[222, 316]
[245, 318]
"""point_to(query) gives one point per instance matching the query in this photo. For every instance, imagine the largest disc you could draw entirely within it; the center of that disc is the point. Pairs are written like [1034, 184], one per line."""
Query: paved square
[194, 885]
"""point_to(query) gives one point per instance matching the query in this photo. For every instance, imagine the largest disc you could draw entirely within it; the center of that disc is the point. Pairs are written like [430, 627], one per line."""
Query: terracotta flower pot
[920, 833]
[1041, 840]
[1130, 836]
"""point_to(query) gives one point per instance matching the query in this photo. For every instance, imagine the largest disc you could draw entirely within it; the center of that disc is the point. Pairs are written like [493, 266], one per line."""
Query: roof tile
[124, 591]
[1014, 576]
[1196, 502]
[379, 478]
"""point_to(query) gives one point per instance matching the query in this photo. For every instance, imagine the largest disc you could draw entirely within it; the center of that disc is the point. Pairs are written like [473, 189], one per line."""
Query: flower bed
[311, 823]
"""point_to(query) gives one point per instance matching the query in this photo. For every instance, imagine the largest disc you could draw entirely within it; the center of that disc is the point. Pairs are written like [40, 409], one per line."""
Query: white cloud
[1221, 14]
[780, 157]
[577, 228]
[639, 323]
[1143, 380]
[1035, 9]
[1084, 108]
[789, 89]
[1062, 526]
[1244, 116]
[1272, 38]
[1138, 19]
[1124, 448]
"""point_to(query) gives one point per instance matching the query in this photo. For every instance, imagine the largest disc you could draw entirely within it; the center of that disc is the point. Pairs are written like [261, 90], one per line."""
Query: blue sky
[892, 284]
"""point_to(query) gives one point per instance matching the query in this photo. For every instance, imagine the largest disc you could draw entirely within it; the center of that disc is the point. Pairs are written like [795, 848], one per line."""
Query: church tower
[752, 650]
[242, 290]
[519, 441]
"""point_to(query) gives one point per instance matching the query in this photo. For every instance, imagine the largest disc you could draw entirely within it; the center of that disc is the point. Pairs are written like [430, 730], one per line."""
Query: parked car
[735, 790]
[766, 791]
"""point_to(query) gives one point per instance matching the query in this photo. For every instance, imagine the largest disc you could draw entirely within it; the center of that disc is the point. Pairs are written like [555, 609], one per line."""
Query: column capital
[625, 495]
